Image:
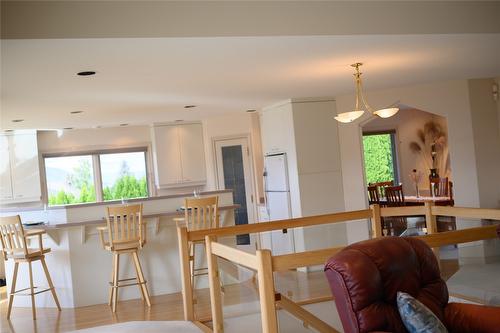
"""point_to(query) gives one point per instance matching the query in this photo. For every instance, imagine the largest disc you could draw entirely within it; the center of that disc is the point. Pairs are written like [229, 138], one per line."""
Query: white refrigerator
[278, 205]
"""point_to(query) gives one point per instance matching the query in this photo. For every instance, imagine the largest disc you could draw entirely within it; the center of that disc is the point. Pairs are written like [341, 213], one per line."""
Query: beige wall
[453, 101]
[406, 123]
[448, 99]
[484, 113]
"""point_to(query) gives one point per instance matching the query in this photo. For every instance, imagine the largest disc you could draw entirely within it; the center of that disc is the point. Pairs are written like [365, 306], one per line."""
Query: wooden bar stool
[14, 240]
[126, 234]
[199, 213]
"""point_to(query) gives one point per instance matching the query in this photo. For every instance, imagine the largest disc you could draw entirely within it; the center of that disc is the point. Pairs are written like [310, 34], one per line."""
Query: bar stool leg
[112, 281]
[32, 290]
[141, 278]
[12, 289]
[51, 285]
[139, 282]
[115, 280]
[193, 263]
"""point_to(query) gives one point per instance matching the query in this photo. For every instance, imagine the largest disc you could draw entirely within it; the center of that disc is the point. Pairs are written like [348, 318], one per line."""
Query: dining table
[413, 200]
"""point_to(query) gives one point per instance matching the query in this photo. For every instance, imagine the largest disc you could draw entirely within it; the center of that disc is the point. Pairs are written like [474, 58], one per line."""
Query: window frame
[394, 151]
[97, 174]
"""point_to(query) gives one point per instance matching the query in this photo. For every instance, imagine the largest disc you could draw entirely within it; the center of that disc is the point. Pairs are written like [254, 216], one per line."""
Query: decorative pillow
[416, 317]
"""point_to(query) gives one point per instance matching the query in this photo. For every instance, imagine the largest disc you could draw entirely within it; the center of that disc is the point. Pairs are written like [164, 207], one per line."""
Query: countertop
[57, 226]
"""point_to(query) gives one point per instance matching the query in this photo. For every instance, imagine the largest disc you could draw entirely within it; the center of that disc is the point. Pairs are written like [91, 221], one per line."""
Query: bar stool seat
[14, 241]
[31, 254]
[126, 234]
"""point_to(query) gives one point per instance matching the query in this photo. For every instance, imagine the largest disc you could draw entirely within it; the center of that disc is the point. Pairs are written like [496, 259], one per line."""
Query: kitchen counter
[80, 267]
[172, 214]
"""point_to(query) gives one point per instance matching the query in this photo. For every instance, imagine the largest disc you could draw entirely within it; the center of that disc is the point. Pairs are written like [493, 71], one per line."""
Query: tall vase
[433, 174]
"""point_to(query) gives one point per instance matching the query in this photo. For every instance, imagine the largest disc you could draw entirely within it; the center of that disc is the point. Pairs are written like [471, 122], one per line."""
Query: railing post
[431, 225]
[266, 291]
[187, 290]
[214, 283]
[376, 221]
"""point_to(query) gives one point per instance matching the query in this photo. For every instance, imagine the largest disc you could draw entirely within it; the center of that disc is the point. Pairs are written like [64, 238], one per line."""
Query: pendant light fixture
[350, 116]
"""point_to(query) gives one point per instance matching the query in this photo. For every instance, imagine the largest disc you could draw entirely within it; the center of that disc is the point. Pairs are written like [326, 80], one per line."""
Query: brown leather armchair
[366, 276]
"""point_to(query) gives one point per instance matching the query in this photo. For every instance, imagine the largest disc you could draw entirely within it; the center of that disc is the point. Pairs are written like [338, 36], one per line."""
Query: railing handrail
[281, 224]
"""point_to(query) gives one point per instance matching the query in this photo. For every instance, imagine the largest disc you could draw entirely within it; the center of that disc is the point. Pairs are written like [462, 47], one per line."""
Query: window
[97, 176]
[380, 157]
[123, 176]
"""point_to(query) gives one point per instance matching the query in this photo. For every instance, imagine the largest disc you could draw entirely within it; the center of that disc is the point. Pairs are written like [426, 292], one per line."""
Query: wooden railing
[265, 264]
[184, 237]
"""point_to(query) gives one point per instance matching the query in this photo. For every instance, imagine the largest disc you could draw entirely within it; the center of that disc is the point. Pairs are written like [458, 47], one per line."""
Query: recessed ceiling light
[76, 112]
[123, 124]
[67, 128]
[251, 110]
[189, 106]
[86, 73]
[17, 120]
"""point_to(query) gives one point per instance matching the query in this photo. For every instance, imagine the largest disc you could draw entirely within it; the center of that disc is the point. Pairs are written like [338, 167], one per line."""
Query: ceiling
[146, 80]
[154, 57]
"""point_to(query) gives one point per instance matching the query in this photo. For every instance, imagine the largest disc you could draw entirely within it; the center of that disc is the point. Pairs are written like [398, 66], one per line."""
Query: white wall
[406, 123]
[133, 136]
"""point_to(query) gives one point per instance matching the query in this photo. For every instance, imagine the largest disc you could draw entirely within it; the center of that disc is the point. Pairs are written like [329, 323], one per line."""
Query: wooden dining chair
[442, 187]
[381, 187]
[199, 213]
[373, 195]
[14, 240]
[124, 233]
[395, 198]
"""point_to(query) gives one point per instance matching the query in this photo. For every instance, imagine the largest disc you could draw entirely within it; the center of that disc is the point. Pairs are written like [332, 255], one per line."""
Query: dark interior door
[234, 178]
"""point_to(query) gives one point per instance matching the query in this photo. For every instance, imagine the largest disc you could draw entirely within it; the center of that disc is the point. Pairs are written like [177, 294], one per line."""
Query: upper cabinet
[19, 168]
[179, 155]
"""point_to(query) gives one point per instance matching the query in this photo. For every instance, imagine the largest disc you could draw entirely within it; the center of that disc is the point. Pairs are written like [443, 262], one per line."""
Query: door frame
[218, 183]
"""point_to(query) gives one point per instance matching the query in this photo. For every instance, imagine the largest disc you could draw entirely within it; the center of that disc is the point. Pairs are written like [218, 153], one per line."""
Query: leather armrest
[465, 318]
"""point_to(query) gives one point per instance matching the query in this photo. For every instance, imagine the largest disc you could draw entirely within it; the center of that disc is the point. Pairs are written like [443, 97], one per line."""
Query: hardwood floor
[301, 287]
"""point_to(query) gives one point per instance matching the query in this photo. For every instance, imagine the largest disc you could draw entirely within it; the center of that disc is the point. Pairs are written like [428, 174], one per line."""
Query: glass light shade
[386, 113]
[349, 117]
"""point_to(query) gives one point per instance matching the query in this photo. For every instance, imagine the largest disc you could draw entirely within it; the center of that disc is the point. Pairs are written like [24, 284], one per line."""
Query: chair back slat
[395, 196]
[125, 225]
[201, 213]
[12, 237]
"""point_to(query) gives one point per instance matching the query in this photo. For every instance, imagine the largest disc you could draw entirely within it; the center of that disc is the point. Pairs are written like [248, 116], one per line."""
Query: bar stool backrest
[12, 236]
[125, 225]
[201, 213]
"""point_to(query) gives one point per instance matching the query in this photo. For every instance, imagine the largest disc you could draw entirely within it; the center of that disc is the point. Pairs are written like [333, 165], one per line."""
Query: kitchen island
[80, 268]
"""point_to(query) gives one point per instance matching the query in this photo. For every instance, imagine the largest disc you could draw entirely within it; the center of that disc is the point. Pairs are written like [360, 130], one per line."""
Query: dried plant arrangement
[432, 148]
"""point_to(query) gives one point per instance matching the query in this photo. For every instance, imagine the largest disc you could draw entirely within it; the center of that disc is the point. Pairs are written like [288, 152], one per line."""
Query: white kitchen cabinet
[192, 153]
[179, 155]
[5, 177]
[19, 168]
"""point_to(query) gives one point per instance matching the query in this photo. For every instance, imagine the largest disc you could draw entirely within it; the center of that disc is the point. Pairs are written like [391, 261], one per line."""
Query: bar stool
[199, 213]
[14, 239]
[126, 234]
